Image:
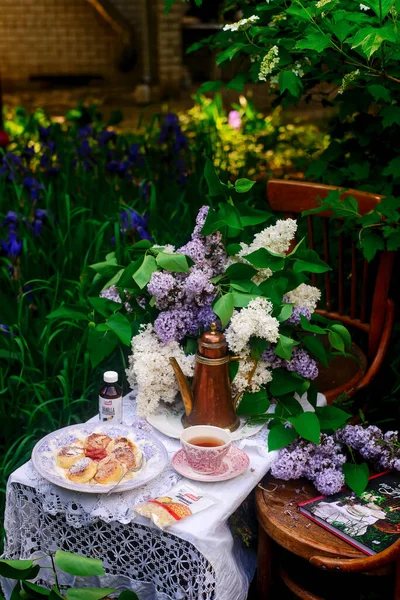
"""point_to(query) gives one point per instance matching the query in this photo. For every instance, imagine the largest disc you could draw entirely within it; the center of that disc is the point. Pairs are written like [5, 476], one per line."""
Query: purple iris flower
[131, 220]
[5, 330]
[106, 136]
[12, 247]
[27, 290]
[85, 131]
[29, 152]
[144, 234]
[33, 186]
[44, 132]
[180, 141]
[44, 161]
[112, 166]
[11, 219]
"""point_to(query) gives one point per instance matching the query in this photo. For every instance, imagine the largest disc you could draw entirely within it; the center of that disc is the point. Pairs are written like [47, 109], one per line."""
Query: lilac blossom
[382, 450]
[300, 362]
[165, 289]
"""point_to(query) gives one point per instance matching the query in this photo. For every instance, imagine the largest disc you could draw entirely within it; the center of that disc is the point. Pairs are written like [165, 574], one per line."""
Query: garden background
[77, 192]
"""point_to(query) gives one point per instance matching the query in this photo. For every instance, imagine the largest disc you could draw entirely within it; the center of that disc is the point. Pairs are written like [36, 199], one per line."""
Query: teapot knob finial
[213, 327]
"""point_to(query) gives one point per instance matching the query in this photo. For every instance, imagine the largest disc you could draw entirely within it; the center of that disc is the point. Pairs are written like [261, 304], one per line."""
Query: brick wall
[66, 37]
[69, 37]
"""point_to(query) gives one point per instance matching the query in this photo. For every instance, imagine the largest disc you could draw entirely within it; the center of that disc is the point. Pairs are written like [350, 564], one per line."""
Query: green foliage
[74, 564]
[348, 58]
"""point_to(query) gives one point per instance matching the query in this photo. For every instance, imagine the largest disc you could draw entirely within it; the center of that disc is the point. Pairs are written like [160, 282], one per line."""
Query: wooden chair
[276, 500]
[345, 376]
[280, 524]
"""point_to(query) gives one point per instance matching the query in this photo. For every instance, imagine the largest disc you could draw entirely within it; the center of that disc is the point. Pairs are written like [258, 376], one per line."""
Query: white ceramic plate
[44, 456]
[167, 420]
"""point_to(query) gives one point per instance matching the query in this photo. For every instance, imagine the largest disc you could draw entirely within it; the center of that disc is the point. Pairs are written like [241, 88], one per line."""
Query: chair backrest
[294, 197]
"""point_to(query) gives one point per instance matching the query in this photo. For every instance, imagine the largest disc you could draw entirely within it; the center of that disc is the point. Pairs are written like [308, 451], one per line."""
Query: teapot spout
[183, 386]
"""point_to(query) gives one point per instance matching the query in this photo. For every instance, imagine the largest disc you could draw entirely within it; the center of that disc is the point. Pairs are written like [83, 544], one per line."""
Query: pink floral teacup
[205, 447]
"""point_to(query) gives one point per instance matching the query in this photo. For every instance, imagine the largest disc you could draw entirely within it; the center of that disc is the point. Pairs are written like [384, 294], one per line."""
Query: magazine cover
[370, 522]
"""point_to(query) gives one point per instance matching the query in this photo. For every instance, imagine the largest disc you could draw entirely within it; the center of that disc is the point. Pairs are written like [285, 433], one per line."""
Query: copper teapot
[209, 402]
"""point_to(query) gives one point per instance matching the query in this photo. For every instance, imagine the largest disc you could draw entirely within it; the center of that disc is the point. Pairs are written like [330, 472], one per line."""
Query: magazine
[370, 522]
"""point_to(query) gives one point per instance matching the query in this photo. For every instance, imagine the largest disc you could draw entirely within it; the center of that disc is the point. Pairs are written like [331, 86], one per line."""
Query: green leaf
[173, 262]
[280, 436]
[371, 242]
[390, 116]
[233, 369]
[223, 308]
[331, 418]
[242, 285]
[369, 38]
[317, 40]
[36, 591]
[356, 476]
[315, 346]
[243, 185]
[241, 300]
[104, 306]
[342, 29]
[128, 595]
[15, 569]
[143, 275]
[215, 186]
[336, 341]
[274, 289]
[380, 5]
[120, 325]
[230, 216]
[237, 83]
[88, 593]
[257, 347]
[309, 261]
[209, 86]
[284, 382]
[240, 271]
[75, 312]
[378, 92]
[286, 312]
[106, 269]
[291, 82]
[255, 218]
[233, 249]
[344, 334]
[307, 425]
[393, 168]
[78, 565]
[229, 52]
[263, 259]
[307, 326]
[254, 404]
[284, 347]
[100, 345]
[393, 241]
[300, 12]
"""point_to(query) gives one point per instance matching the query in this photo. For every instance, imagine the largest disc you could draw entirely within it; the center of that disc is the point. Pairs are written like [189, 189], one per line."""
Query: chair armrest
[352, 565]
[381, 352]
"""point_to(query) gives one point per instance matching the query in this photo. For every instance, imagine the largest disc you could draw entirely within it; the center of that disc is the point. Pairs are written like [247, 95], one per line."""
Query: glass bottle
[110, 399]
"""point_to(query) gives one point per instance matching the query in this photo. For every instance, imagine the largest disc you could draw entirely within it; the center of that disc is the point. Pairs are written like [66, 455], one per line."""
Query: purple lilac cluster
[185, 299]
[380, 449]
[297, 312]
[112, 293]
[301, 362]
[321, 464]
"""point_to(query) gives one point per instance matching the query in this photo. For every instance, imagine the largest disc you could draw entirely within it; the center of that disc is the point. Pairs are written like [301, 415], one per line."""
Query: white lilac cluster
[184, 299]
[347, 80]
[150, 370]
[364, 7]
[268, 63]
[321, 464]
[322, 3]
[304, 296]
[275, 238]
[250, 379]
[253, 320]
[242, 25]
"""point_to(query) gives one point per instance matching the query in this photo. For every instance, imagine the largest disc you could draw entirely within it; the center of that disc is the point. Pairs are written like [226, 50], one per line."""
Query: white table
[196, 559]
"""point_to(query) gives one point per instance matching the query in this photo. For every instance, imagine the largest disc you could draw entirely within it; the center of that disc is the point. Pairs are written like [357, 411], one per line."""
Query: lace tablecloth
[195, 559]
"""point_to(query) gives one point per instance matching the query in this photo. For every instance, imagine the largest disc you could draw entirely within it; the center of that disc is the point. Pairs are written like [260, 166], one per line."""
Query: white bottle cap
[110, 376]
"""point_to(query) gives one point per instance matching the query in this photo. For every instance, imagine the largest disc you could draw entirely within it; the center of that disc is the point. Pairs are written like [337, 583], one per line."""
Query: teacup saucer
[234, 463]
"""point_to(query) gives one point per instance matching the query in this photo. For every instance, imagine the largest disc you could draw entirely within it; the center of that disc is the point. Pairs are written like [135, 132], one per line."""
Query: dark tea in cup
[206, 442]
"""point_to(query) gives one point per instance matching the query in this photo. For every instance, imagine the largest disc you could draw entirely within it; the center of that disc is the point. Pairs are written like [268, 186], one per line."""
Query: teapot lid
[213, 341]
